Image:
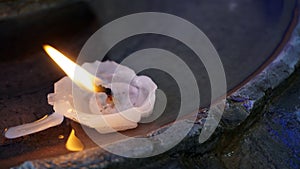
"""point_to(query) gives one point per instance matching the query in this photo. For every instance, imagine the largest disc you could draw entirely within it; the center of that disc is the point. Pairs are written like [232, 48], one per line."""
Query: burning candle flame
[82, 78]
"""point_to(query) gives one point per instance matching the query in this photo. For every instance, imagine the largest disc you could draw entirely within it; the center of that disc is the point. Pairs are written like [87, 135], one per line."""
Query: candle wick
[108, 92]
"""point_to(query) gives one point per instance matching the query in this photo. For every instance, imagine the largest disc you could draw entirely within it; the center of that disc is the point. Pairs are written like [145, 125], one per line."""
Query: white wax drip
[22, 130]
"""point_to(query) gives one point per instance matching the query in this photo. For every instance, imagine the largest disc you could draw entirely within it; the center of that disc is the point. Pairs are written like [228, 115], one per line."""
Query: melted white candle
[133, 98]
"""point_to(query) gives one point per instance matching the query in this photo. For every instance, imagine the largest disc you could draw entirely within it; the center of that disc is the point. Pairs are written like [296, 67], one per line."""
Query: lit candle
[133, 97]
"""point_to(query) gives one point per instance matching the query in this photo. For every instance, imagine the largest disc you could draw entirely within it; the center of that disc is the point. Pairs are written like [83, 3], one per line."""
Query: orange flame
[82, 78]
[73, 143]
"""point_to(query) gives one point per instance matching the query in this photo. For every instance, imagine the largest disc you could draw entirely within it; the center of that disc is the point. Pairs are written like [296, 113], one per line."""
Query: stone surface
[251, 94]
[273, 140]
[13, 8]
[27, 25]
[268, 138]
[238, 30]
[245, 102]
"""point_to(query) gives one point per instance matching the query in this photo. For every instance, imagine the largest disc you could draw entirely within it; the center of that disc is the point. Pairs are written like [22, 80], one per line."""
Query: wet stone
[273, 142]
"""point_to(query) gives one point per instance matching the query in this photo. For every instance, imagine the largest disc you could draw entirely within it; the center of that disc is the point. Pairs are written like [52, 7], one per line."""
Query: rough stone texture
[92, 158]
[272, 141]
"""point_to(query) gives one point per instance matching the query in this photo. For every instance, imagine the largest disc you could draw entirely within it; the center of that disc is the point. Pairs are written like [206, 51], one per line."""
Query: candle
[114, 99]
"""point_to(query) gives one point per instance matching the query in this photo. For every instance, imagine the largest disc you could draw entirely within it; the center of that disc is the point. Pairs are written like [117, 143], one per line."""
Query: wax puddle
[29, 128]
